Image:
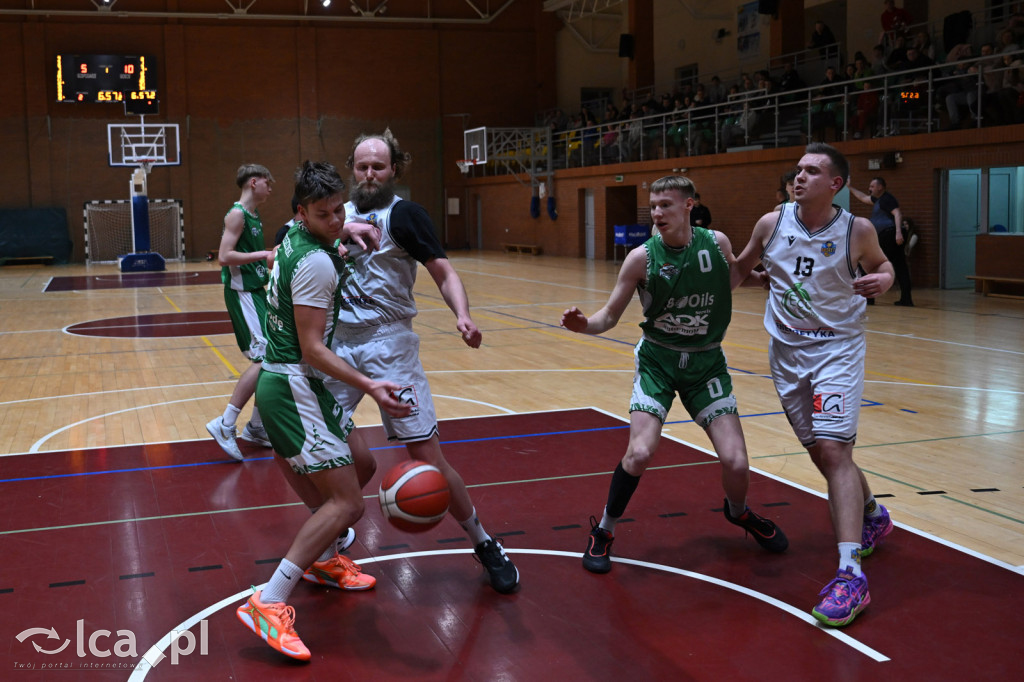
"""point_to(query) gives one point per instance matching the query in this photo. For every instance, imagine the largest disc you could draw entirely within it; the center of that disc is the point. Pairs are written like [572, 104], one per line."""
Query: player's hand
[367, 235]
[574, 320]
[385, 393]
[471, 336]
[869, 286]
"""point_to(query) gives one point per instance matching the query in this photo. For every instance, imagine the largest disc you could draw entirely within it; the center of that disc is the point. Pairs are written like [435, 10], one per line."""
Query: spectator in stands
[790, 78]
[897, 54]
[821, 38]
[922, 40]
[914, 60]
[717, 91]
[866, 103]
[1007, 41]
[955, 80]
[823, 116]
[1015, 23]
[591, 135]
[1008, 98]
[895, 21]
[732, 128]
[878, 59]
[700, 96]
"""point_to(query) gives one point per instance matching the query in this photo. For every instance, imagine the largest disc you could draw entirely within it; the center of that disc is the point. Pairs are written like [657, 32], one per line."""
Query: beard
[368, 197]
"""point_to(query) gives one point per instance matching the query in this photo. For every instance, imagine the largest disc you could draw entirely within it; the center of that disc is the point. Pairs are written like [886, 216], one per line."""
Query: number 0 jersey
[811, 297]
[686, 297]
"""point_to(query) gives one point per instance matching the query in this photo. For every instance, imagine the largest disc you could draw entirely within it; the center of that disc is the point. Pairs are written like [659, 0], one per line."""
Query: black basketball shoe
[767, 534]
[598, 557]
[502, 572]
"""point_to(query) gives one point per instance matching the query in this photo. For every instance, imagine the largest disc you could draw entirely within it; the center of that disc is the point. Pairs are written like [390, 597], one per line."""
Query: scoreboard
[106, 78]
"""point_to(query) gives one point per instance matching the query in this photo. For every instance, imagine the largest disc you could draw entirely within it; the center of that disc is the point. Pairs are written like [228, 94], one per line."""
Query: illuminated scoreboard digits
[105, 78]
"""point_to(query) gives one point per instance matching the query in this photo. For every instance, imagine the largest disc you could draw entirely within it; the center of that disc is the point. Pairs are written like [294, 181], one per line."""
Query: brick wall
[740, 187]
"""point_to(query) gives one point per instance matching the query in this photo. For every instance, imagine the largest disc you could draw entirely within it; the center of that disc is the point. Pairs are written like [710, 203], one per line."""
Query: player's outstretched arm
[633, 271]
[454, 294]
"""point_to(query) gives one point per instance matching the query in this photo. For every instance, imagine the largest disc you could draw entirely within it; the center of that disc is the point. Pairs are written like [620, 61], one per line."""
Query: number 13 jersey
[811, 299]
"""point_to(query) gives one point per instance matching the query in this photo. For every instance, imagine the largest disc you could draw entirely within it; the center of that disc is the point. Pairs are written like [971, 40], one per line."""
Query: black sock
[621, 490]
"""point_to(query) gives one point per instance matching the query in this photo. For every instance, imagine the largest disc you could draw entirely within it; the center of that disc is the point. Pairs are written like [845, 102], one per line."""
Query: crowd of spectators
[846, 99]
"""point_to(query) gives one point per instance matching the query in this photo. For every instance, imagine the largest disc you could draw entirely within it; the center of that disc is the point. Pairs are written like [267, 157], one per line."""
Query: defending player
[821, 263]
[303, 421]
[375, 333]
[682, 277]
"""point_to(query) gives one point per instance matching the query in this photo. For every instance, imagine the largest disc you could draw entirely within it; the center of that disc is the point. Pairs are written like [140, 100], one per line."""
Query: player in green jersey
[682, 277]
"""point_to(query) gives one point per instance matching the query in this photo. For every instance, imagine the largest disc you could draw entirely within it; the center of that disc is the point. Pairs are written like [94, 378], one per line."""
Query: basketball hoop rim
[464, 164]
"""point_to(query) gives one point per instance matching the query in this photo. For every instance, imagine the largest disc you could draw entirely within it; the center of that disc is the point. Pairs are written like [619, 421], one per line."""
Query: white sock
[256, 420]
[281, 583]
[475, 529]
[849, 558]
[230, 415]
[607, 522]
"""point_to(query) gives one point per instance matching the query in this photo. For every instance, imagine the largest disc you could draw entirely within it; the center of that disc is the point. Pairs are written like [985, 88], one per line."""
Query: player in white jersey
[821, 263]
[375, 335]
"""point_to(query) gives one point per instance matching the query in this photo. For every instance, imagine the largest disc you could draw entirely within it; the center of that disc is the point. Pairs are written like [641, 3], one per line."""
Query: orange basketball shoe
[340, 572]
[274, 623]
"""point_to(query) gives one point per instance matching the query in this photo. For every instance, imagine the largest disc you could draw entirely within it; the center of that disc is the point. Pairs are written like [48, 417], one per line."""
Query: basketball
[414, 496]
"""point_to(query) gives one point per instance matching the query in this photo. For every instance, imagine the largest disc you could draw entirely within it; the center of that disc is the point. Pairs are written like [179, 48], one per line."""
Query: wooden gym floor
[120, 514]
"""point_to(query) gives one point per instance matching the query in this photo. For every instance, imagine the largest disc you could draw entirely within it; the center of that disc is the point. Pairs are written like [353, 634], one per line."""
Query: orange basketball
[414, 496]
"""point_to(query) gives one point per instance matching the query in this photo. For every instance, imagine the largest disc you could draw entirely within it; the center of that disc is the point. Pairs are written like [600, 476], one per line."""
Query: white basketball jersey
[378, 288]
[811, 299]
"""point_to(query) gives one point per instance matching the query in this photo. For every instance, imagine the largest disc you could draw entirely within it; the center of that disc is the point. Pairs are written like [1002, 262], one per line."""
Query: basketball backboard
[143, 144]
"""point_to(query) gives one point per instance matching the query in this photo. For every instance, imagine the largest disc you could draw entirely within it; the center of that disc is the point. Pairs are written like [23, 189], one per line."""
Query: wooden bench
[986, 282]
[522, 248]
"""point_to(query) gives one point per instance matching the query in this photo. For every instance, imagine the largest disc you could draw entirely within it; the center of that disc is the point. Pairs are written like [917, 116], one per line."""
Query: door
[963, 220]
[588, 223]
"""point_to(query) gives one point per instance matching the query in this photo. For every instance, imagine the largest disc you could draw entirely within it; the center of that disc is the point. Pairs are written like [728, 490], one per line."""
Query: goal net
[108, 229]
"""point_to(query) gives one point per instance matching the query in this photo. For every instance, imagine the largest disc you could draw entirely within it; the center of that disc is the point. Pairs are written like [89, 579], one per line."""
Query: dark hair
[399, 159]
[295, 204]
[788, 178]
[251, 170]
[840, 166]
[679, 183]
[696, 195]
[880, 180]
[317, 180]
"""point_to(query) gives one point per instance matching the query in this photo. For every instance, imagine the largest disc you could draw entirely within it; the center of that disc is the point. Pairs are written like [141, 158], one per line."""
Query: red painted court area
[132, 280]
[146, 538]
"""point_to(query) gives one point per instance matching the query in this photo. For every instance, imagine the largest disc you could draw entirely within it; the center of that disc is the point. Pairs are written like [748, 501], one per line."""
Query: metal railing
[885, 105]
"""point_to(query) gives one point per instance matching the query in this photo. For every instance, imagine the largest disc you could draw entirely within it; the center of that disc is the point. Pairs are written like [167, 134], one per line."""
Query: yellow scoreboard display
[128, 79]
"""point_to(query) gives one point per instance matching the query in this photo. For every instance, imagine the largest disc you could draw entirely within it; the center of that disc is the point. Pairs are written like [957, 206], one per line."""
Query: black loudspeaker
[768, 7]
[627, 45]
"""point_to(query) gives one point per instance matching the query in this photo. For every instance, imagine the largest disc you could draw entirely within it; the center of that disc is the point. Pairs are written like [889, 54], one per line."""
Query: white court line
[155, 653]
[35, 446]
